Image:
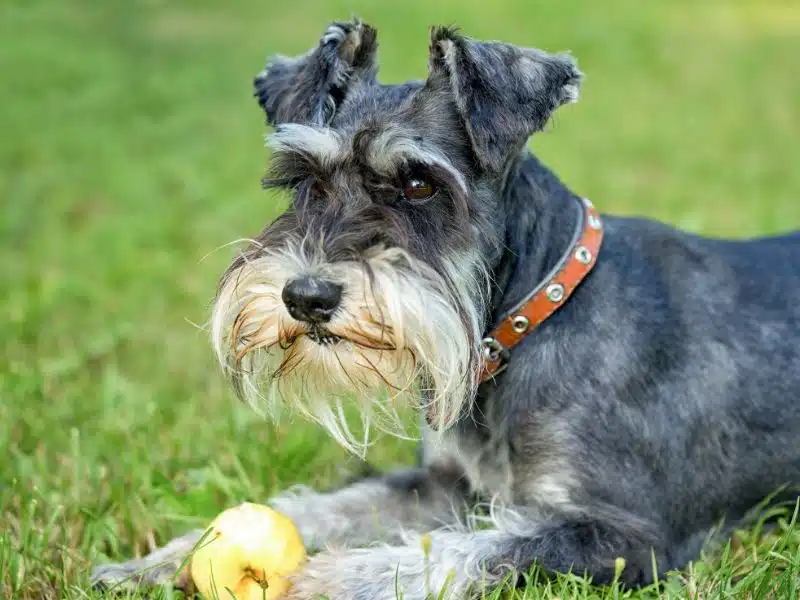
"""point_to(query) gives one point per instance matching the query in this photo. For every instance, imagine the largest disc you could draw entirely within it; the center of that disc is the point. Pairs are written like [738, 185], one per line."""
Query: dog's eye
[417, 189]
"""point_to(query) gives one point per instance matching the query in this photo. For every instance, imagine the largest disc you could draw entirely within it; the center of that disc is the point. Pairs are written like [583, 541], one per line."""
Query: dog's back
[717, 327]
[762, 328]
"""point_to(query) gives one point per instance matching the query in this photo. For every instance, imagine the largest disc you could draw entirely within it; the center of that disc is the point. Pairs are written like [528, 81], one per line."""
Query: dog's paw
[374, 573]
[113, 577]
[161, 567]
[338, 575]
[135, 576]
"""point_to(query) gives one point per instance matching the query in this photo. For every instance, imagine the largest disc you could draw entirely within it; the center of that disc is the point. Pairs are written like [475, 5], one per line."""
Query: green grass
[131, 151]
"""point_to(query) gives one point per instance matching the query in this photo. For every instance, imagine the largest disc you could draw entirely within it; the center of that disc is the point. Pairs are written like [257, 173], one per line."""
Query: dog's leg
[373, 509]
[157, 568]
[465, 564]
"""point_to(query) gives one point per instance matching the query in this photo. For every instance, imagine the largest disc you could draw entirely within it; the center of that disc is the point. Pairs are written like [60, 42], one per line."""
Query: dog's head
[374, 284]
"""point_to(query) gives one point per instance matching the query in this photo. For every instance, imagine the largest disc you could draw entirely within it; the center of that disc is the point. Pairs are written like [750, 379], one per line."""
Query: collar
[548, 296]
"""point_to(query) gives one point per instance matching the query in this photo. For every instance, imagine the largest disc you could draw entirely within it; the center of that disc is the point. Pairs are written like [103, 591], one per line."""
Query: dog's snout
[311, 299]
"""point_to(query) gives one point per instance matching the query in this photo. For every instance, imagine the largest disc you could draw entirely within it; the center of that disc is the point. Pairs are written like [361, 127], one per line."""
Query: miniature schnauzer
[590, 388]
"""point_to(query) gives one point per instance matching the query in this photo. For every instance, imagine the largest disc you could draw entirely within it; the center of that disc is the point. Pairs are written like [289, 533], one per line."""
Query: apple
[249, 550]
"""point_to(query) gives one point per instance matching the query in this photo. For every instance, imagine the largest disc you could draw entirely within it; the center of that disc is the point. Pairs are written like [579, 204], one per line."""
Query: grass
[131, 151]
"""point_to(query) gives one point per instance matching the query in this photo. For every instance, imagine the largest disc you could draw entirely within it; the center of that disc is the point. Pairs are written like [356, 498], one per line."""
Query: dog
[590, 387]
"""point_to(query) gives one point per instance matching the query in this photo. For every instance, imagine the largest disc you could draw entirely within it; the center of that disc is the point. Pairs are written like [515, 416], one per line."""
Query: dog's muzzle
[293, 329]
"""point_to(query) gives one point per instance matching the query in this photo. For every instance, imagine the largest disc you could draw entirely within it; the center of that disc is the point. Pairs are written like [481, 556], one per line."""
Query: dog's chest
[480, 450]
[513, 458]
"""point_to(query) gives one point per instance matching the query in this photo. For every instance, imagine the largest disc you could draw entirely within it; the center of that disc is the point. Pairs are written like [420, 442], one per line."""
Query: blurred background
[130, 154]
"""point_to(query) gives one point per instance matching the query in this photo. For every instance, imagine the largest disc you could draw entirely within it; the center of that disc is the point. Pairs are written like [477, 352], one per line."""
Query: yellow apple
[250, 550]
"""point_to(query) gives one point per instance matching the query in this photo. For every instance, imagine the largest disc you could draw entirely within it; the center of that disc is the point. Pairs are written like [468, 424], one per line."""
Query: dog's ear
[308, 89]
[503, 93]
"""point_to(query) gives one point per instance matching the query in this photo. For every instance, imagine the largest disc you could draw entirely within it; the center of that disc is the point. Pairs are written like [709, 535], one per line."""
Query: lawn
[130, 156]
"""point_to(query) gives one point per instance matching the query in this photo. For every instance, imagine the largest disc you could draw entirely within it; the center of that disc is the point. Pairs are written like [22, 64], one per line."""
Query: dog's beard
[403, 332]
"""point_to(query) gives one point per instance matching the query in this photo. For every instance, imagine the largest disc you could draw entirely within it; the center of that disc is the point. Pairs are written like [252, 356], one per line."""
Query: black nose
[311, 299]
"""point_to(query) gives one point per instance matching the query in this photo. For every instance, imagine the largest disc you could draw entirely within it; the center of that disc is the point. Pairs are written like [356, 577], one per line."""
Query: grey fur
[372, 510]
[662, 400]
[160, 567]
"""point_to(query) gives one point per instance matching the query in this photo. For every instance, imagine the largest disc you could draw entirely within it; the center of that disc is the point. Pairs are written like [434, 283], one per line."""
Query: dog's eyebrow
[394, 146]
[322, 146]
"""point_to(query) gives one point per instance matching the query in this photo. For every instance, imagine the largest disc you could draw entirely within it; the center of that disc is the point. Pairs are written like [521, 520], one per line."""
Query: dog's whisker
[369, 365]
[252, 241]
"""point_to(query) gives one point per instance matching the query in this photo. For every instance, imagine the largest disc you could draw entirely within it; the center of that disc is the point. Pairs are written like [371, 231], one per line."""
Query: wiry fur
[398, 324]
[657, 403]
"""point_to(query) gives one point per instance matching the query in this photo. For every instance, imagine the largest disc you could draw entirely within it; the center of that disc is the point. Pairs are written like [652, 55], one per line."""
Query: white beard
[399, 336]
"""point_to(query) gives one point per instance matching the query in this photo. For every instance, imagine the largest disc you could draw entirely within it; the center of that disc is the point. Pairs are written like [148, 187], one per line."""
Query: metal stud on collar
[555, 292]
[573, 266]
[583, 256]
[520, 323]
[491, 348]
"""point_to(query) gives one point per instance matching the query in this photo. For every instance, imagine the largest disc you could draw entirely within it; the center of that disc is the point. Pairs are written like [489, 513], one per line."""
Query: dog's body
[661, 400]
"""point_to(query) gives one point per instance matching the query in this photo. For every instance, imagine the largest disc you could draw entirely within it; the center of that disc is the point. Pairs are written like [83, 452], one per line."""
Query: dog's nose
[311, 299]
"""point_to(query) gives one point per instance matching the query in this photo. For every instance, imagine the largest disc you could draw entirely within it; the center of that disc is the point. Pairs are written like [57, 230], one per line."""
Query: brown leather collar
[548, 296]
